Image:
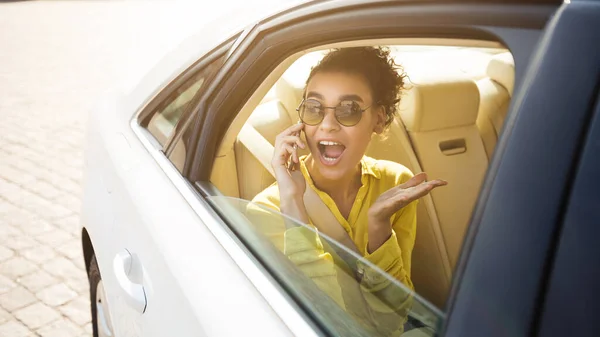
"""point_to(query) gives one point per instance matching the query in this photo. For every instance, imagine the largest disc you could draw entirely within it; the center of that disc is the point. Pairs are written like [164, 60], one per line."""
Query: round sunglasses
[347, 113]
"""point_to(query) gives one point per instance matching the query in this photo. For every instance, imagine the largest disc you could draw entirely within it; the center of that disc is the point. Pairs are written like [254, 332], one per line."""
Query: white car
[502, 104]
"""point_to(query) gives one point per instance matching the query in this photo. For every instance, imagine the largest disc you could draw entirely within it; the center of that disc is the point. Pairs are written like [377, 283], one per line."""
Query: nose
[329, 122]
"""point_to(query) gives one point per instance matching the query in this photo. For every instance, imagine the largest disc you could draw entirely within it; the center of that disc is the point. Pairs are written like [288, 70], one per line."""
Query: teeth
[329, 159]
[324, 142]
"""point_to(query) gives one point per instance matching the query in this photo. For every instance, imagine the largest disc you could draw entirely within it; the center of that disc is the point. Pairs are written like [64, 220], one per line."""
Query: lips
[330, 151]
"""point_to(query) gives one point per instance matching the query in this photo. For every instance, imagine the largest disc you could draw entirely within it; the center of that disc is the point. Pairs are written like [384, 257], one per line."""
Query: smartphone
[291, 166]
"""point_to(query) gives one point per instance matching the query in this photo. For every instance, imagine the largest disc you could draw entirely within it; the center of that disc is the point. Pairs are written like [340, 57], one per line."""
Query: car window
[449, 117]
[168, 113]
[347, 294]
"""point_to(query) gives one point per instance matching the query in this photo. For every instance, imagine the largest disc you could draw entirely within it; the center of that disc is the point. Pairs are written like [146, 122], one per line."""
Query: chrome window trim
[282, 305]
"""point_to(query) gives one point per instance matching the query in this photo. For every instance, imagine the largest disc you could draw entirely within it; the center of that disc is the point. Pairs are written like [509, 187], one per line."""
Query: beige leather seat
[440, 116]
[269, 119]
[495, 92]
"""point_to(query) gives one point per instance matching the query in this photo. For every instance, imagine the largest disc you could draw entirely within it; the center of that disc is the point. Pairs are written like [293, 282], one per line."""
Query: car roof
[222, 22]
[228, 19]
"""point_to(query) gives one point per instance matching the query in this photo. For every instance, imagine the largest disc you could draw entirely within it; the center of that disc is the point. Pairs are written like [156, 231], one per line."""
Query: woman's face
[337, 149]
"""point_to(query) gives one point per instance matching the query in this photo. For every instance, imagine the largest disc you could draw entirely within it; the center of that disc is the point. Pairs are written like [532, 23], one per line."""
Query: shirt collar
[369, 166]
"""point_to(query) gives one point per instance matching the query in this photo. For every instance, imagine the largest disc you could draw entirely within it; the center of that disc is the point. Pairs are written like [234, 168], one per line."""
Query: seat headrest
[440, 103]
[290, 96]
[502, 70]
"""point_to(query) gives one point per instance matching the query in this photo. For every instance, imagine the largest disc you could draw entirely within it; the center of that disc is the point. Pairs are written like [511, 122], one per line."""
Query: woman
[349, 96]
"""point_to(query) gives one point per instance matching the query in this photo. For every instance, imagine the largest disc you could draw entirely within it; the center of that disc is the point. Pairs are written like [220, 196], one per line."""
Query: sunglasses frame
[360, 111]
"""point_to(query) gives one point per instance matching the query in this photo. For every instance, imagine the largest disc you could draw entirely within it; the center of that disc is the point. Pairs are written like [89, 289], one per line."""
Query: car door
[164, 274]
[518, 26]
[138, 281]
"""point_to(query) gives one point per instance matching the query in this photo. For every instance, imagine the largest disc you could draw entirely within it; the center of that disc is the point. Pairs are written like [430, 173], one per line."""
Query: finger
[289, 148]
[295, 155]
[293, 139]
[437, 183]
[408, 195]
[282, 154]
[294, 128]
[426, 187]
[414, 181]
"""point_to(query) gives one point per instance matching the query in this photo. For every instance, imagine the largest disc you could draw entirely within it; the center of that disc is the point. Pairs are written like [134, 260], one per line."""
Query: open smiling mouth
[330, 152]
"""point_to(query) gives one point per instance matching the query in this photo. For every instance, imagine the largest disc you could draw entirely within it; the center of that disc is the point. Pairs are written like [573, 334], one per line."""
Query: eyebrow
[351, 97]
[314, 94]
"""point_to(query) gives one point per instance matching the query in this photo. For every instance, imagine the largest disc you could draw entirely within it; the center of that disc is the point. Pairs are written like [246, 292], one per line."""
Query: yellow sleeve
[389, 302]
[304, 248]
[394, 256]
[300, 243]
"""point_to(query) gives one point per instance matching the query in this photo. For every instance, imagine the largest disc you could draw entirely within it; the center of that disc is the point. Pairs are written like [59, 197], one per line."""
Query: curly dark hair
[385, 78]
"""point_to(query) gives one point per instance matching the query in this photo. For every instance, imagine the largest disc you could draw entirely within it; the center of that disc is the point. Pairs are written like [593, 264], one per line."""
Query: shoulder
[393, 172]
[268, 197]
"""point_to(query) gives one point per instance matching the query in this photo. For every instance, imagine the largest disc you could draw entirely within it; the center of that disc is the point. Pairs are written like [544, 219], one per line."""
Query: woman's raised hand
[290, 181]
[392, 200]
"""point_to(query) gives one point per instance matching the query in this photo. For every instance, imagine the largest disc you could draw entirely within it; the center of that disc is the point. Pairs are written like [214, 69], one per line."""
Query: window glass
[167, 115]
[448, 120]
[347, 294]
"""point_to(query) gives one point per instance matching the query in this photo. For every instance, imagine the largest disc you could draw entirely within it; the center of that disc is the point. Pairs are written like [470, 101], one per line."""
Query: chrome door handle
[134, 293]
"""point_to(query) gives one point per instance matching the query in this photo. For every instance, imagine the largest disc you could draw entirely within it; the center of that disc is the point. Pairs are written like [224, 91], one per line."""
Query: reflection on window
[342, 290]
[165, 119]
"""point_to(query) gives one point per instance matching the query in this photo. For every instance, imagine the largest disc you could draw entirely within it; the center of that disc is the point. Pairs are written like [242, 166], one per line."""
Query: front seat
[495, 92]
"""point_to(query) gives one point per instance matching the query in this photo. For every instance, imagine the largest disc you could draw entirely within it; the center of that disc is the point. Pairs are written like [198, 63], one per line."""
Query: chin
[337, 172]
[333, 174]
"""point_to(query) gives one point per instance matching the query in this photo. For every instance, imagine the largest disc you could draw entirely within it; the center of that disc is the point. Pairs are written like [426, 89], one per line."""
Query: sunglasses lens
[311, 112]
[348, 113]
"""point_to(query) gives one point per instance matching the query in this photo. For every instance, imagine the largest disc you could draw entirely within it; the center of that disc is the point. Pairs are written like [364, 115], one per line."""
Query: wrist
[291, 196]
[377, 221]
[379, 232]
[293, 206]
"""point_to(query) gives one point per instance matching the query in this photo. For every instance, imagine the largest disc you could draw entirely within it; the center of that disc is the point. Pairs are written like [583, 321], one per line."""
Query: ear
[380, 120]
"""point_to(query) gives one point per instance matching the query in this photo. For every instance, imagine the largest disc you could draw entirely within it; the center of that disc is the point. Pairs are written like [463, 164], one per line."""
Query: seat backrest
[495, 92]
[440, 116]
[431, 271]
[269, 119]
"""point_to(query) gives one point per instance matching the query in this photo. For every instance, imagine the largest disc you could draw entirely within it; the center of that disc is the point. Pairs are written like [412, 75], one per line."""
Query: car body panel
[226, 21]
[185, 268]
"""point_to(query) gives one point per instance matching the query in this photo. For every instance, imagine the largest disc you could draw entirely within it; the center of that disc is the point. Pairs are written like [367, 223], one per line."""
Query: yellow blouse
[393, 257]
[378, 176]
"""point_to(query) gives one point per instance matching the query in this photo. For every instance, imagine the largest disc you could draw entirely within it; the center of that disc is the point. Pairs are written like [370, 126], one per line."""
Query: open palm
[397, 197]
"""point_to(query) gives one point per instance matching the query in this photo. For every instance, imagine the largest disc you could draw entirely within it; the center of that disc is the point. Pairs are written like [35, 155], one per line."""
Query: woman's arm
[388, 301]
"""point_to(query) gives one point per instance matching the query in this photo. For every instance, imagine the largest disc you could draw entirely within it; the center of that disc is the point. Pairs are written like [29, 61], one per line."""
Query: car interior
[450, 118]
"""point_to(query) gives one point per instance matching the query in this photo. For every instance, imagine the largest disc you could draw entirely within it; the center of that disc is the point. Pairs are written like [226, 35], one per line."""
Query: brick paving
[56, 58]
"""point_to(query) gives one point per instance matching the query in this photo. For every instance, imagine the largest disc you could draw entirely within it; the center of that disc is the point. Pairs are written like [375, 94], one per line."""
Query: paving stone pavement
[56, 58]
